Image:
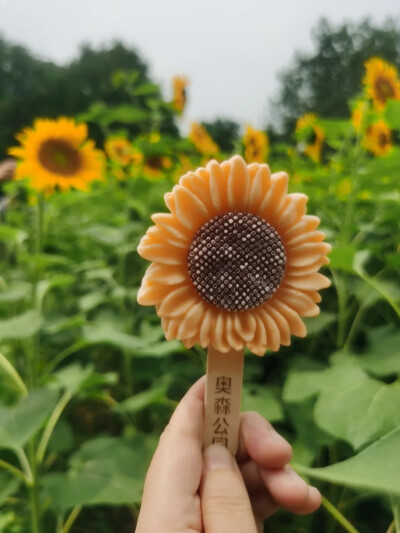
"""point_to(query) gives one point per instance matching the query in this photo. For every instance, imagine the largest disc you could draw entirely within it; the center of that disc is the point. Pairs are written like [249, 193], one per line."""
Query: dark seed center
[236, 261]
[58, 156]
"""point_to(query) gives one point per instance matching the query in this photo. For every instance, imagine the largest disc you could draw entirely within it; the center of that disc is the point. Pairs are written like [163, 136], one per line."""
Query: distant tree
[224, 132]
[31, 87]
[323, 82]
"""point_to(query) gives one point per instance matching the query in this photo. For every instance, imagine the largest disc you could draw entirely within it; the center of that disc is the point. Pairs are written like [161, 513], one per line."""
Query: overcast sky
[231, 50]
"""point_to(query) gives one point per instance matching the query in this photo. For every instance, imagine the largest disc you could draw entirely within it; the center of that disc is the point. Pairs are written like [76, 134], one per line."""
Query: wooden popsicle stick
[222, 398]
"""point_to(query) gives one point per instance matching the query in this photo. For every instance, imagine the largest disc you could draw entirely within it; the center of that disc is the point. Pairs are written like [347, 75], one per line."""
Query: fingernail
[217, 457]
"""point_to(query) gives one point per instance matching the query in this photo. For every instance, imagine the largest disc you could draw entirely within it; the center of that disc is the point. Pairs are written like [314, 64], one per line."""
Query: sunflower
[179, 98]
[256, 145]
[235, 261]
[381, 82]
[308, 128]
[155, 165]
[56, 153]
[120, 151]
[202, 140]
[378, 139]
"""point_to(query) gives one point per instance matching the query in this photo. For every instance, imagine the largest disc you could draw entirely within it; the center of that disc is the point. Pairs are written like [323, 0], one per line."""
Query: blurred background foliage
[87, 381]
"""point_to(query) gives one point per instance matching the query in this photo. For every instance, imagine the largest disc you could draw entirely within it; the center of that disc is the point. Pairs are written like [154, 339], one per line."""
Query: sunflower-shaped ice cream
[235, 262]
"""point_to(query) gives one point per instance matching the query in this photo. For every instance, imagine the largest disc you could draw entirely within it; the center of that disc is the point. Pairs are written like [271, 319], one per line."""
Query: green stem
[48, 430]
[14, 471]
[391, 527]
[64, 354]
[26, 467]
[13, 374]
[71, 519]
[337, 515]
[342, 307]
[33, 490]
[353, 328]
[395, 503]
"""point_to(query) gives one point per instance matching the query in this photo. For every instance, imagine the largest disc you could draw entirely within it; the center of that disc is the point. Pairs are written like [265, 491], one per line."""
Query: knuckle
[227, 506]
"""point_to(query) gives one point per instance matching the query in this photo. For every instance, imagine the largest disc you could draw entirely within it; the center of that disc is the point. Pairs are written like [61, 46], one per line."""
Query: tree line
[322, 81]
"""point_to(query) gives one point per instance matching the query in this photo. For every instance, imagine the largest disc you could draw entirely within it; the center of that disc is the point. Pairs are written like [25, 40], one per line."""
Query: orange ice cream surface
[235, 260]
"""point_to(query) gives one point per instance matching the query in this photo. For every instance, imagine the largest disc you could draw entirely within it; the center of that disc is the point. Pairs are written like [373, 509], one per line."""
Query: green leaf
[16, 293]
[105, 470]
[105, 234]
[8, 486]
[76, 378]
[336, 129]
[44, 261]
[13, 235]
[319, 323]
[106, 335]
[20, 326]
[342, 410]
[376, 468]
[62, 439]
[45, 285]
[392, 114]
[301, 385]
[262, 400]
[383, 355]
[125, 114]
[91, 300]
[141, 400]
[20, 422]
[160, 349]
[382, 416]
[342, 258]
[57, 325]
[146, 89]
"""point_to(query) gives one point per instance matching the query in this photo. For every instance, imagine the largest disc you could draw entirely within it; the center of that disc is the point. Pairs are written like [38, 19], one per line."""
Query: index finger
[258, 441]
[180, 445]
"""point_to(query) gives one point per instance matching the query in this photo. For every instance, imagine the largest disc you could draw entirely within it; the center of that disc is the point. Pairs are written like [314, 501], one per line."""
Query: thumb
[224, 499]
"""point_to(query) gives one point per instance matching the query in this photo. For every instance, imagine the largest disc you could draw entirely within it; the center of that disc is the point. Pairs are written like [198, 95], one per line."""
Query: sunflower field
[88, 381]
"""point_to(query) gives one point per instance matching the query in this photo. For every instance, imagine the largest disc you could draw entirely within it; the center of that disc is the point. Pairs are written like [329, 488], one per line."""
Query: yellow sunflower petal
[190, 210]
[233, 337]
[245, 325]
[205, 328]
[218, 186]
[259, 187]
[299, 302]
[260, 334]
[306, 224]
[294, 209]
[312, 236]
[190, 322]
[218, 335]
[157, 251]
[281, 324]
[151, 293]
[177, 302]
[307, 253]
[310, 282]
[272, 330]
[199, 186]
[165, 274]
[238, 185]
[172, 225]
[275, 197]
[296, 325]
